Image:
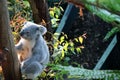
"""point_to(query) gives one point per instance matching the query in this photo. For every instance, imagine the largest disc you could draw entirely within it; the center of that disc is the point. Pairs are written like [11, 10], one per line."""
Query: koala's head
[31, 30]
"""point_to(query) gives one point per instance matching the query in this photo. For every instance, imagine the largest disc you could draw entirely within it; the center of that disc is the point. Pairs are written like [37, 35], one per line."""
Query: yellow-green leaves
[55, 13]
[51, 14]
[63, 54]
[64, 47]
[62, 38]
[113, 31]
[78, 50]
[81, 39]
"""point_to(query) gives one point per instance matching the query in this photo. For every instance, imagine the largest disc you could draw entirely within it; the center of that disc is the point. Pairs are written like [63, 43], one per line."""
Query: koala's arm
[19, 47]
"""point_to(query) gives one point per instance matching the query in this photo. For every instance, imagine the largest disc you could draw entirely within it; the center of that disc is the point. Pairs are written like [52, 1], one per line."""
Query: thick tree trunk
[10, 65]
[40, 13]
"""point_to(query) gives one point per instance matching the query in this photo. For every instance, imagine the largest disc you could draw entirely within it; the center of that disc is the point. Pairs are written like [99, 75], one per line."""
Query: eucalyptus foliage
[110, 5]
[80, 73]
[108, 12]
[19, 6]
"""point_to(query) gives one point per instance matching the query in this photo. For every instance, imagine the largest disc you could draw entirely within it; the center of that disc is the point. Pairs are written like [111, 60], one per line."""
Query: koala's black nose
[21, 33]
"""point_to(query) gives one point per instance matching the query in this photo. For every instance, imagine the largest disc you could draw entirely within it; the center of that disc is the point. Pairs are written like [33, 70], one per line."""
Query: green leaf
[104, 14]
[56, 45]
[80, 73]
[67, 59]
[43, 75]
[78, 50]
[111, 33]
[66, 36]
[54, 22]
[72, 50]
[57, 11]
[62, 38]
[66, 46]
[76, 39]
[51, 14]
[61, 8]
[71, 43]
[57, 16]
[26, 4]
[63, 54]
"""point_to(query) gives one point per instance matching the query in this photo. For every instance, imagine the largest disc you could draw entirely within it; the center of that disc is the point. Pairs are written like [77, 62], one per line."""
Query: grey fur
[32, 50]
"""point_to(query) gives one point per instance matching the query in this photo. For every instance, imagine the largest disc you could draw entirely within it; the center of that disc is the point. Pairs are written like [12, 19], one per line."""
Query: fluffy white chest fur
[26, 49]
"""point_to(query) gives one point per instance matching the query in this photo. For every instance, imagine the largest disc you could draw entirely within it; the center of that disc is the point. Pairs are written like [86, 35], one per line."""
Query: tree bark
[40, 13]
[10, 64]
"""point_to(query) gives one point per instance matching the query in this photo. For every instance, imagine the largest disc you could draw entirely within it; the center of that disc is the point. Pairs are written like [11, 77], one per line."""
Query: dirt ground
[94, 46]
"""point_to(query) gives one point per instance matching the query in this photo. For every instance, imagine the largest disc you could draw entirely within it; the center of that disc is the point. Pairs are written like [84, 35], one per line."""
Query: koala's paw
[28, 77]
[33, 69]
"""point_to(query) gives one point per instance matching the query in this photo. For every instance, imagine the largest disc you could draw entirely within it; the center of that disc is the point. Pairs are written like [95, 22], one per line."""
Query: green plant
[16, 25]
[19, 11]
[80, 73]
[108, 17]
[56, 73]
[113, 31]
[64, 47]
[19, 6]
[55, 14]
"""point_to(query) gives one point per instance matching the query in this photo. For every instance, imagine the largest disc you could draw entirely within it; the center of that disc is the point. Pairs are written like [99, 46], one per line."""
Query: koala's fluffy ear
[43, 29]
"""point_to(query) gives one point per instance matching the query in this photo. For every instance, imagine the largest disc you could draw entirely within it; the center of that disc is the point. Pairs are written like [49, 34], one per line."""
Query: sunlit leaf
[72, 49]
[61, 8]
[26, 3]
[81, 39]
[43, 74]
[71, 43]
[76, 39]
[57, 16]
[57, 11]
[63, 54]
[66, 36]
[62, 38]
[78, 50]
[51, 14]
[52, 75]
[66, 46]
[54, 20]
[56, 34]
[56, 45]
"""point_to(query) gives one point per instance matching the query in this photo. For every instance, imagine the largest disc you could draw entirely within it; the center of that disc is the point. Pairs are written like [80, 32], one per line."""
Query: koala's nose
[21, 33]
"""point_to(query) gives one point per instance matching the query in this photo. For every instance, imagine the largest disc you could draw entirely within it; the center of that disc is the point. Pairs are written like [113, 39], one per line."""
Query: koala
[32, 50]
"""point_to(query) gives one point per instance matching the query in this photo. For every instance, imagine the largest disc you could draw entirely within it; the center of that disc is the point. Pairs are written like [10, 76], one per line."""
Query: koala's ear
[43, 29]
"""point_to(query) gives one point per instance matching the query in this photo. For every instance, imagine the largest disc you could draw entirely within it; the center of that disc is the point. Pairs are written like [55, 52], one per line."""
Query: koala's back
[40, 51]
